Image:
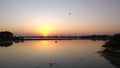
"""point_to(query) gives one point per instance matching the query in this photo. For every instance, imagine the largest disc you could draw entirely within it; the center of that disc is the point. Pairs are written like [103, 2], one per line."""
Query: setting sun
[45, 29]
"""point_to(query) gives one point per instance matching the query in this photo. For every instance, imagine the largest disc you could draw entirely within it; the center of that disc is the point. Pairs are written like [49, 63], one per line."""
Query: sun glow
[45, 29]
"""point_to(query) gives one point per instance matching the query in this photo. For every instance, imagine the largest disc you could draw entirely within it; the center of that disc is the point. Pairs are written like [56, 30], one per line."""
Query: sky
[60, 17]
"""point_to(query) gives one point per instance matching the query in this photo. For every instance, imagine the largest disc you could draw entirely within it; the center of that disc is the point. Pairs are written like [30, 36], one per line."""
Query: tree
[6, 35]
[113, 44]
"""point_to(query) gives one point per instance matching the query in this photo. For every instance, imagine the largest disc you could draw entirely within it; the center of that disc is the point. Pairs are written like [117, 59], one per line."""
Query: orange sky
[51, 17]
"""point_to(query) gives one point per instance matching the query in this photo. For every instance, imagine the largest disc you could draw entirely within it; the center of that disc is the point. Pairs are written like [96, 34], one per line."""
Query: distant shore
[6, 35]
[91, 37]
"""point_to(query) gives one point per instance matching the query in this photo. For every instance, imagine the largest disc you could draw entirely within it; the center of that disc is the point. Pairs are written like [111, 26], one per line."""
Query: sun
[45, 30]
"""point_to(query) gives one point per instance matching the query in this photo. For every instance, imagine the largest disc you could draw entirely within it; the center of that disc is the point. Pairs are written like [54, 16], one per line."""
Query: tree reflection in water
[7, 43]
[112, 57]
[112, 50]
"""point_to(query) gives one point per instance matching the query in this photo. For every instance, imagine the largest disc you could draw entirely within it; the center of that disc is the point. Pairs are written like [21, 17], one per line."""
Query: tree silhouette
[6, 35]
[113, 44]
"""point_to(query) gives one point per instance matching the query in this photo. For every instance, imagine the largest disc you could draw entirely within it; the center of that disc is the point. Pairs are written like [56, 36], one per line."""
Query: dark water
[54, 54]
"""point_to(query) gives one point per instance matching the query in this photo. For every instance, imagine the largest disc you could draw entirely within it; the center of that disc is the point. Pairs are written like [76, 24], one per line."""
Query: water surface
[54, 54]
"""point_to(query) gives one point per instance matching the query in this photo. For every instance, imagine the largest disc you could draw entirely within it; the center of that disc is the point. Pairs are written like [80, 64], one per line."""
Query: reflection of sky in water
[46, 54]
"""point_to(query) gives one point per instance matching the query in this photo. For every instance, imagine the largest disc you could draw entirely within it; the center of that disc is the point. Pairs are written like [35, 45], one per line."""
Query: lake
[54, 54]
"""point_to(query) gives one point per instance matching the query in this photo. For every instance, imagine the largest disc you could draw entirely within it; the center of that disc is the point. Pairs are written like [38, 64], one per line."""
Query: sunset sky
[60, 17]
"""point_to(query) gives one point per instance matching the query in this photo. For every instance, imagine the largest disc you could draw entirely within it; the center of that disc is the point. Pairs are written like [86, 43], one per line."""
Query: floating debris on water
[52, 64]
[55, 41]
[37, 67]
[81, 59]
